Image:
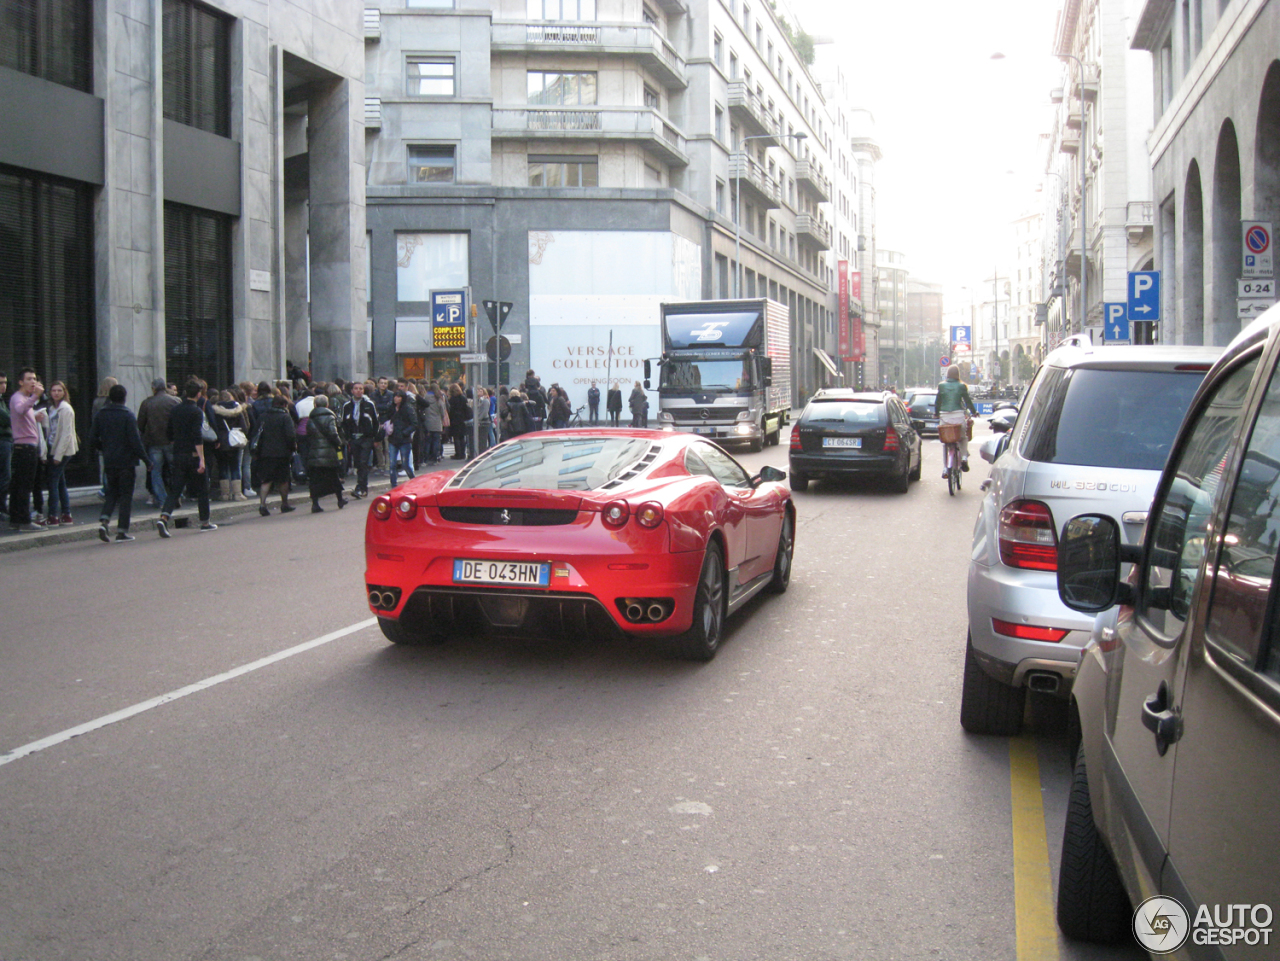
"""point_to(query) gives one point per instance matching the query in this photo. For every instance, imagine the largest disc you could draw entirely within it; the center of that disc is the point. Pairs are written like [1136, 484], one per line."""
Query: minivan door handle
[1161, 719]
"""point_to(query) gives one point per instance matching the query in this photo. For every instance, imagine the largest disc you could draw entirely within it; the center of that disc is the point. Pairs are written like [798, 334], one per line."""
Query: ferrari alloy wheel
[702, 640]
[398, 633]
[782, 561]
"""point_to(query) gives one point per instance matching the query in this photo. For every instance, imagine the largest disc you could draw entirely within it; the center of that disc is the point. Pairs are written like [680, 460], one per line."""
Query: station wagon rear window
[1108, 418]
[842, 414]
[555, 463]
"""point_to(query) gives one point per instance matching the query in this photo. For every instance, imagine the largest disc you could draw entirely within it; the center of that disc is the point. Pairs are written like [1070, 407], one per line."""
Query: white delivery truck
[725, 370]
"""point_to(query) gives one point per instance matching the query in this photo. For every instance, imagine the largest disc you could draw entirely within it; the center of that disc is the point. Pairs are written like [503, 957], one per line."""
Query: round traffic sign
[498, 348]
[1258, 239]
[944, 361]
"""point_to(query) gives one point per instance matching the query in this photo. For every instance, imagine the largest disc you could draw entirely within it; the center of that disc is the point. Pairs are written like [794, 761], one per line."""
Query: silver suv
[1092, 435]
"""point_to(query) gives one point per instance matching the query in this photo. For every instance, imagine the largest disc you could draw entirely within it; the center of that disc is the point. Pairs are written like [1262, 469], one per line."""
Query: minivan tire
[1092, 904]
[986, 705]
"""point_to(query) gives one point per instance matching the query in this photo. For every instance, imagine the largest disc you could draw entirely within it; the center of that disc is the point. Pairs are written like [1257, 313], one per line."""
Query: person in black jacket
[324, 455]
[274, 445]
[115, 433]
[518, 419]
[404, 423]
[360, 426]
[613, 404]
[593, 404]
[459, 416]
[190, 469]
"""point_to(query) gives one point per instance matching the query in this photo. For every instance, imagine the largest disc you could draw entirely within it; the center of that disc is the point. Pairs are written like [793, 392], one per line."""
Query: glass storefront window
[430, 261]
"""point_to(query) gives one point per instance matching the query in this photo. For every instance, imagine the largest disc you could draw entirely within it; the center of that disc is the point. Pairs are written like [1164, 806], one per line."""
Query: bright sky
[951, 122]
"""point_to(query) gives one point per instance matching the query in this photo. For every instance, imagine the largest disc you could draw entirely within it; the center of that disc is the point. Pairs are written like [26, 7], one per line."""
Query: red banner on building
[842, 272]
[857, 341]
[855, 285]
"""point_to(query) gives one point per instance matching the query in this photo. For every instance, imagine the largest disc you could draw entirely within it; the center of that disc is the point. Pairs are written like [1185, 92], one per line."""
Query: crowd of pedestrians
[250, 441]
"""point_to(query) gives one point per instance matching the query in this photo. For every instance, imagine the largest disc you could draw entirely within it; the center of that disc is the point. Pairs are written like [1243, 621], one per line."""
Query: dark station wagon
[847, 433]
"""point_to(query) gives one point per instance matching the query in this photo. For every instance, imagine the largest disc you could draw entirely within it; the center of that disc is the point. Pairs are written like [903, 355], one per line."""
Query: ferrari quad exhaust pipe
[383, 600]
[640, 610]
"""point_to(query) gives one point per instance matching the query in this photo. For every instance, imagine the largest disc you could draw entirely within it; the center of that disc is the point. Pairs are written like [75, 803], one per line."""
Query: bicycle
[576, 419]
[950, 435]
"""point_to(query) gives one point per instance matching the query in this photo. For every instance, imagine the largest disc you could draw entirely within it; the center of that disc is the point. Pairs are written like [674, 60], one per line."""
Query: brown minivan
[1175, 710]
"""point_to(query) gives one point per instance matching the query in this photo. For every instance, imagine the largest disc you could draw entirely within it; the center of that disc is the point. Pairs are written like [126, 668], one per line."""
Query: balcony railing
[641, 40]
[817, 232]
[745, 105]
[644, 125]
[808, 176]
[754, 181]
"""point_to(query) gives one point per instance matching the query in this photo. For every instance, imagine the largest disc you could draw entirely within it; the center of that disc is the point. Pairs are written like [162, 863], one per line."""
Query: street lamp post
[737, 212]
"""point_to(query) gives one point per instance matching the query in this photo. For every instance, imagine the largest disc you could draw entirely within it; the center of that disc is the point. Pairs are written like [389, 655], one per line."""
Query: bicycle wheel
[951, 481]
[949, 460]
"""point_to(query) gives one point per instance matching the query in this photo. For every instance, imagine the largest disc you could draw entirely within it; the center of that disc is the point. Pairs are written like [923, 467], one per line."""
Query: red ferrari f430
[649, 533]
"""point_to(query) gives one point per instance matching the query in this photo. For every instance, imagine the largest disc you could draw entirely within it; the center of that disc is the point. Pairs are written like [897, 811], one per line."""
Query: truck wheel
[757, 443]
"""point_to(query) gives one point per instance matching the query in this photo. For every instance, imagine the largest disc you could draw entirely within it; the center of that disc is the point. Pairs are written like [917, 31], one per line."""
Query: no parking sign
[1258, 260]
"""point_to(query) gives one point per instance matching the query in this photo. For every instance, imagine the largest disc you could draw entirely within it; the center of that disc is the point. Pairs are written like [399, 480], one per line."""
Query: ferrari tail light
[615, 514]
[1028, 632]
[407, 507]
[795, 439]
[649, 514]
[890, 439]
[381, 507]
[1028, 538]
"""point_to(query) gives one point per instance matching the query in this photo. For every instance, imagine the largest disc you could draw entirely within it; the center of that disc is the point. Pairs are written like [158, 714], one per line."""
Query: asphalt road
[807, 795]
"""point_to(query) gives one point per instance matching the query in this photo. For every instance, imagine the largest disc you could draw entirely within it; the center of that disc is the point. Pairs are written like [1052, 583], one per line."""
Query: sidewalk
[86, 508]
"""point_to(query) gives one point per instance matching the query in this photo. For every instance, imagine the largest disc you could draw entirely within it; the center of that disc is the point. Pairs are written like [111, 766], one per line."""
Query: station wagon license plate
[517, 573]
[842, 442]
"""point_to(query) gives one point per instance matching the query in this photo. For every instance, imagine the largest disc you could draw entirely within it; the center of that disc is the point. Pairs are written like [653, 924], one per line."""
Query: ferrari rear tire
[398, 633]
[702, 640]
[799, 482]
[782, 560]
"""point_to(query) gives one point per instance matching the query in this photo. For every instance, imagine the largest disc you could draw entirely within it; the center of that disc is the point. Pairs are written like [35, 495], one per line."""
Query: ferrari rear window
[556, 463]
[868, 413]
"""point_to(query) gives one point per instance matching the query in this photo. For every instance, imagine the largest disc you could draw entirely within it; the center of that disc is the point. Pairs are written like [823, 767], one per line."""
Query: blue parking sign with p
[1116, 325]
[1144, 295]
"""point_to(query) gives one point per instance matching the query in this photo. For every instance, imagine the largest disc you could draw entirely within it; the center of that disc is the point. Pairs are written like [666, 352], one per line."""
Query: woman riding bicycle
[953, 405]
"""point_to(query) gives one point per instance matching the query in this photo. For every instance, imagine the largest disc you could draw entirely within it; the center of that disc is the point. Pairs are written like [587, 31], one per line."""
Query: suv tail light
[1028, 632]
[890, 440]
[1028, 538]
[795, 439]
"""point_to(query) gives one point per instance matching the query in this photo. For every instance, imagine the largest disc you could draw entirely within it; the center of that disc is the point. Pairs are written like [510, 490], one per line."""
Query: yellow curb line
[1037, 935]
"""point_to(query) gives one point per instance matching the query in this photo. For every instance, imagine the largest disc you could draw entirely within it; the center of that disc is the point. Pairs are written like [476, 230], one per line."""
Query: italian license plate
[517, 573]
[704, 430]
[842, 442]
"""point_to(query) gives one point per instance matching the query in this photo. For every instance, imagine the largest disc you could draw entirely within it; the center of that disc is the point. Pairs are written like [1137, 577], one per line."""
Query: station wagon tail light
[1028, 632]
[1028, 538]
[615, 514]
[381, 507]
[795, 439]
[407, 508]
[890, 439]
[649, 515]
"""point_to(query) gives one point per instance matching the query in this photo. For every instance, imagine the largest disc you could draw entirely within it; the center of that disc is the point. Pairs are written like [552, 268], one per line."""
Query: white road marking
[46, 742]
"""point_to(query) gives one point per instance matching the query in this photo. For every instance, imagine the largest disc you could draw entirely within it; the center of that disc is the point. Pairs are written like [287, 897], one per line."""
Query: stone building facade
[585, 160]
[1215, 152]
[143, 155]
